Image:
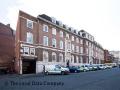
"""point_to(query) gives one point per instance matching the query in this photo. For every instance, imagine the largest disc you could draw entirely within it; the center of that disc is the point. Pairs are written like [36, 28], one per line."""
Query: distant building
[108, 58]
[116, 56]
[44, 40]
[7, 46]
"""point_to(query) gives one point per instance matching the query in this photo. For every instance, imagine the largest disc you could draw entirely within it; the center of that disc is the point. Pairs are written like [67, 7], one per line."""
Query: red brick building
[108, 58]
[7, 46]
[44, 40]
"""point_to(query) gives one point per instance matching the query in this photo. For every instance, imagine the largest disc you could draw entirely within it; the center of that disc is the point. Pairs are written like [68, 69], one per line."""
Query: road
[95, 80]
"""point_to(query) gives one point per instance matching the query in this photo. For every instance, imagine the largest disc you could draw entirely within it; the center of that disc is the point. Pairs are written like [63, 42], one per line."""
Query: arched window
[60, 57]
[54, 58]
[76, 59]
[81, 59]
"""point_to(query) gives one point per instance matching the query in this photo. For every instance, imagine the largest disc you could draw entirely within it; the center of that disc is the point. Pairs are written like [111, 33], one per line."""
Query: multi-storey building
[44, 40]
[7, 46]
[116, 55]
[94, 53]
[108, 58]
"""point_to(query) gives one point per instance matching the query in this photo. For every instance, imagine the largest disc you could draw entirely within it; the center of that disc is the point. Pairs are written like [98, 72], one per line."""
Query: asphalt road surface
[95, 80]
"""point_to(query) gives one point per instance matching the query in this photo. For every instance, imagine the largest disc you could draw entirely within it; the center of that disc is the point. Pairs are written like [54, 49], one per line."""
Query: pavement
[108, 79]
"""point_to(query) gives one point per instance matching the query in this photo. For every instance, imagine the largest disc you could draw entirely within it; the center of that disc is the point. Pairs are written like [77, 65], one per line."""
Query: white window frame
[77, 59]
[29, 38]
[73, 47]
[54, 54]
[86, 50]
[87, 43]
[67, 35]
[32, 50]
[61, 33]
[61, 44]
[81, 49]
[26, 50]
[77, 40]
[54, 42]
[81, 59]
[72, 59]
[72, 38]
[53, 31]
[45, 28]
[53, 20]
[69, 46]
[45, 40]
[81, 41]
[60, 23]
[30, 24]
[45, 56]
[77, 48]
[61, 55]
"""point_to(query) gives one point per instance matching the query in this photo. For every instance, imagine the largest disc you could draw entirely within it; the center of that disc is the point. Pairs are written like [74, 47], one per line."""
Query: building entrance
[28, 66]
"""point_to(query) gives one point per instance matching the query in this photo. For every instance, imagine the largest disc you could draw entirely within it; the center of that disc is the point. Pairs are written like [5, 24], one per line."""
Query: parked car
[102, 66]
[81, 68]
[56, 69]
[95, 67]
[98, 67]
[85, 67]
[90, 67]
[108, 66]
[74, 69]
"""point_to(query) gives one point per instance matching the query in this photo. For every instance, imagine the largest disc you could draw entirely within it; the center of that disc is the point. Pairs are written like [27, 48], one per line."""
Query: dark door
[29, 66]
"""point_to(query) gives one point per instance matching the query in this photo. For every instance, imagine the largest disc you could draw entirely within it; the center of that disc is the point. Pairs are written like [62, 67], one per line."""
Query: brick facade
[74, 57]
[7, 46]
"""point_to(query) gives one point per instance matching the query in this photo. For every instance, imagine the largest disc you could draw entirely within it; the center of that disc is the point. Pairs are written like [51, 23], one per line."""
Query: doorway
[28, 66]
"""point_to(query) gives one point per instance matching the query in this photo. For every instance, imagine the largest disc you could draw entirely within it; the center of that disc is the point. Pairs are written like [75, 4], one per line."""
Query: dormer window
[74, 31]
[60, 23]
[83, 35]
[66, 26]
[53, 20]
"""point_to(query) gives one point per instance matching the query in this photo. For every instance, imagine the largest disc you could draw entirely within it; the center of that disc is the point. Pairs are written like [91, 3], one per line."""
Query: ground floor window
[54, 57]
[60, 57]
[45, 56]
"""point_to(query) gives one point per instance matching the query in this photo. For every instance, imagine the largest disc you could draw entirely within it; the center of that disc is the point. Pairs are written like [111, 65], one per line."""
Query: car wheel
[75, 71]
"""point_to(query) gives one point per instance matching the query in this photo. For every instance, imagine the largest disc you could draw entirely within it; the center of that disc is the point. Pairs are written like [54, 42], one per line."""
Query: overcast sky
[100, 18]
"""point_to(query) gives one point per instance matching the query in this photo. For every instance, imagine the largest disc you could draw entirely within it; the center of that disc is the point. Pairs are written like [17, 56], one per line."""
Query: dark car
[74, 69]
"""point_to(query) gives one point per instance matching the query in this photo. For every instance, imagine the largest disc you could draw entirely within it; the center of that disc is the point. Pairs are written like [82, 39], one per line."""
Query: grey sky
[101, 18]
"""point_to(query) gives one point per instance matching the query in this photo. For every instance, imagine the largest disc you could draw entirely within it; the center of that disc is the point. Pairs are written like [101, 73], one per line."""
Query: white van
[56, 69]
